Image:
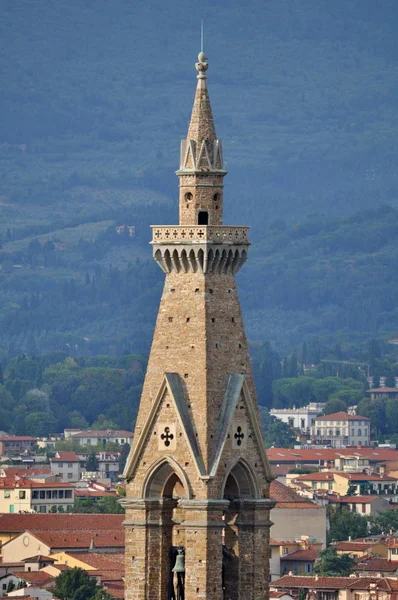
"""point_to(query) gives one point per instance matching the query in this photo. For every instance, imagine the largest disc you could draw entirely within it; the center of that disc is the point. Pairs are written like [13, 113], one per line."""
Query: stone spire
[201, 150]
[201, 126]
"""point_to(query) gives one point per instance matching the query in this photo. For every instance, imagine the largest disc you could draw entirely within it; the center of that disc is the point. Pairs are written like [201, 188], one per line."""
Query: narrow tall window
[203, 217]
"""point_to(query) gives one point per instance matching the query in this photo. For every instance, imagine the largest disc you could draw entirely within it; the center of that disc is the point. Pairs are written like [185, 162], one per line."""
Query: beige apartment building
[341, 429]
[26, 495]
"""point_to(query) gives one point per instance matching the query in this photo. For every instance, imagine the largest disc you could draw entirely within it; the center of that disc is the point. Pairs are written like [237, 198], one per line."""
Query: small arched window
[216, 197]
[188, 196]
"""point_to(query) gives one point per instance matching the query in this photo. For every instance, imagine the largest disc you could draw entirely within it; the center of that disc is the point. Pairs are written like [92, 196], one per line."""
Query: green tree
[344, 523]
[41, 423]
[334, 405]
[124, 452]
[275, 432]
[385, 520]
[332, 564]
[75, 584]
[92, 462]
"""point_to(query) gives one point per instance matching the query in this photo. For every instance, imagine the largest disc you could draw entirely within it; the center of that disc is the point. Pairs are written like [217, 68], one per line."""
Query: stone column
[254, 526]
[148, 540]
[204, 526]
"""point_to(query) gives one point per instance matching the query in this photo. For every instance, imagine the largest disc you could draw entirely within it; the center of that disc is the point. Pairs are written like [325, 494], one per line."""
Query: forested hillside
[95, 97]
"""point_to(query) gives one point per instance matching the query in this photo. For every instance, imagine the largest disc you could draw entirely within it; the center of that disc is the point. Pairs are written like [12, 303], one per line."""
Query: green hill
[94, 99]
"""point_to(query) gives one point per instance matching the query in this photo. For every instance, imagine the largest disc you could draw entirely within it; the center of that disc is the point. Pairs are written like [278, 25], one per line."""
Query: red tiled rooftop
[65, 457]
[287, 498]
[377, 564]
[341, 416]
[17, 523]
[116, 590]
[17, 438]
[352, 499]
[336, 583]
[11, 483]
[294, 581]
[77, 538]
[307, 554]
[36, 578]
[323, 476]
[319, 455]
[111, 561]
[355, 546]
[26, 471]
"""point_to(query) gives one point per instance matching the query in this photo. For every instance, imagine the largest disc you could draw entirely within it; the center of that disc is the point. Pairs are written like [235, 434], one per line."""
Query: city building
[317, 458]
[101, 438]
[337, 588]
[16, 444]
[383, 393]
[197, 476]
[341, 429]
[66, 465]
[27, 495]
[360, 484]
[302, 418]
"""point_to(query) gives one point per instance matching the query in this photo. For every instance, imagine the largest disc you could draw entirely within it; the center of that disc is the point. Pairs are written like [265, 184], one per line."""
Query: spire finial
[202, 64]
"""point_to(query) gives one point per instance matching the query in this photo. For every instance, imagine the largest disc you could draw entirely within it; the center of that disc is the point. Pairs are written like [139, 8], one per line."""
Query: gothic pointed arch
[163, 476]
[240, 482]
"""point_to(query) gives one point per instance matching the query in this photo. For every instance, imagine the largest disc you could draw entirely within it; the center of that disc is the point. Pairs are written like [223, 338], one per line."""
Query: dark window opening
[203, 217]
[188, 196]
[216, 197]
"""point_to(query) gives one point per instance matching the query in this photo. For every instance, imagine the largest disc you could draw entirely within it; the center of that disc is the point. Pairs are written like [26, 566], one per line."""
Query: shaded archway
[165, 485]
[240, 486]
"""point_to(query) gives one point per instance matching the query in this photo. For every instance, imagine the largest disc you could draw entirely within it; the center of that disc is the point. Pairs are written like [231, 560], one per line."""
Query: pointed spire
[201, 149]
[201, 126]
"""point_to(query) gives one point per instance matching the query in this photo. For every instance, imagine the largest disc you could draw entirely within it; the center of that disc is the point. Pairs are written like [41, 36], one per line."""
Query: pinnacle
[201, 126]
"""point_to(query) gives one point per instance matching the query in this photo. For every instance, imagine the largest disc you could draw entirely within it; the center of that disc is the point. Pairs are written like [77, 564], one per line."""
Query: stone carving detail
[239, 436]
[167, 439]
[203, 259]
[199, 234]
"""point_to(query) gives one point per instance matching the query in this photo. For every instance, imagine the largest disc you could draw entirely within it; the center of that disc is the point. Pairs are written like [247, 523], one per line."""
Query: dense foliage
[91, 117]
[331, 564]
[41, 395]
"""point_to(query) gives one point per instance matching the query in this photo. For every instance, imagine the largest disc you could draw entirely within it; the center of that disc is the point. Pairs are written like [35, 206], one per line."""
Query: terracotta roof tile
[320, 455]
[377, 564]
[307, 554]
[341, 416]
[77, 538]
[37, 578]
[17, 523]
[111, 561]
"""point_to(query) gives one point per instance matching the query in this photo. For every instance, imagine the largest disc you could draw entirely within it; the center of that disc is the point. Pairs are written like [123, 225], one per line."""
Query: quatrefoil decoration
[239, 436]
[167, 437]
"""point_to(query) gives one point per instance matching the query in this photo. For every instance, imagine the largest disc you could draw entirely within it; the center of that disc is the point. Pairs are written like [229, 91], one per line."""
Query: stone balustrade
[199, 234]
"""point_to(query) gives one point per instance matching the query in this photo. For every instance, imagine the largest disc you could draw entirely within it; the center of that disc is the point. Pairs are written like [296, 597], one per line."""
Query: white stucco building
[299, 418]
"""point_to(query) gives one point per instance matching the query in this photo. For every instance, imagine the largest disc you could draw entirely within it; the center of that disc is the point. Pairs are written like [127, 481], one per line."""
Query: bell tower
[197, 503]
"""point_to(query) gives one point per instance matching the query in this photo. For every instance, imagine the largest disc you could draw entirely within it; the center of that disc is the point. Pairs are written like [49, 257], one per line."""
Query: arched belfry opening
[240, 486]
[165, 487]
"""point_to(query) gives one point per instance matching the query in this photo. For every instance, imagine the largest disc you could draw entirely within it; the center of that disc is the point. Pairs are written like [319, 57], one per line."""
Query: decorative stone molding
[199, 234]
[204, 258]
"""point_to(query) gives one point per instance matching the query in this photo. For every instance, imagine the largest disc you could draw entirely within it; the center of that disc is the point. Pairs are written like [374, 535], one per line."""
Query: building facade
[16, 444]
[197, 505]
[302, 418]
[341, 429]
[26, 495]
